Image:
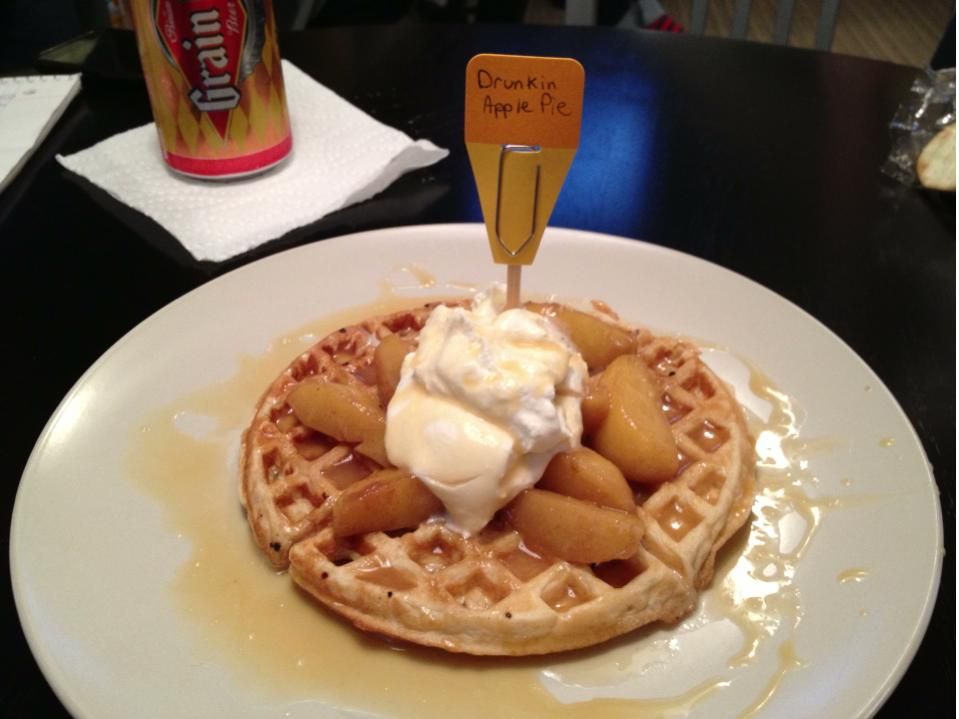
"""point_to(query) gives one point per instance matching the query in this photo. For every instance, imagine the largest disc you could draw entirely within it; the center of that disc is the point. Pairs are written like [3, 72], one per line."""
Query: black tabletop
[762, 159]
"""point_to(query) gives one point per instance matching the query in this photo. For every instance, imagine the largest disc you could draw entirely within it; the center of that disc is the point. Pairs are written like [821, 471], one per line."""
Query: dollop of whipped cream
[483, 404]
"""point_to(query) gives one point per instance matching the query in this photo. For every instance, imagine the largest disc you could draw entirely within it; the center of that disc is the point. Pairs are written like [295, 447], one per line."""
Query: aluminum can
[213, 72]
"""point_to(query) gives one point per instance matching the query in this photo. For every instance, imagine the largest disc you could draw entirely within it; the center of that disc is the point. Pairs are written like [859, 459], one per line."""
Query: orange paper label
[516, 99]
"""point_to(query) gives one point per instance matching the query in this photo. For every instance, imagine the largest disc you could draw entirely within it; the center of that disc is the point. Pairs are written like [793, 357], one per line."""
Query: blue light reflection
[613, 167]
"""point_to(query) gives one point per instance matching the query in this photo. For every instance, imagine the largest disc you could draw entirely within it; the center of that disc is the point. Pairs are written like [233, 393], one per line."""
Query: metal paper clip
[504, 151]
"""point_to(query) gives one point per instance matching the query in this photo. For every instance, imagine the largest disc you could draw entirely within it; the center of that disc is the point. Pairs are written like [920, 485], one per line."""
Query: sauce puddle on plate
[270, 634]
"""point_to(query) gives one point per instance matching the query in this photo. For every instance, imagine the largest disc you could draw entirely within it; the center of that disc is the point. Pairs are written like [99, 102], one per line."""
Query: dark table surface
[759, 158]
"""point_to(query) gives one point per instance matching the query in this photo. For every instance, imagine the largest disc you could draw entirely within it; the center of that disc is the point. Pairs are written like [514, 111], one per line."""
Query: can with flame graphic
[212, 69]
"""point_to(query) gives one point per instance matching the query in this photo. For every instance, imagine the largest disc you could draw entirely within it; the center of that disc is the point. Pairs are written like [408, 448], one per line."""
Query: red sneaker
[665, 23]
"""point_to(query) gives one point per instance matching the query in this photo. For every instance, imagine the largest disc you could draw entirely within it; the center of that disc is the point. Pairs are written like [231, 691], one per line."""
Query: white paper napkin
[341, 156]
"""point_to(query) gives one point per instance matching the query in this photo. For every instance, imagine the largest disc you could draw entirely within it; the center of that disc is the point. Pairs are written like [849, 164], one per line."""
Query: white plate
[93, 555]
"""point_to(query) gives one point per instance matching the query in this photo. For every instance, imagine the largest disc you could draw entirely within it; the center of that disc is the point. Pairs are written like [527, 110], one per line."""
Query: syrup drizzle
[256, 622]
[852, 575]
[752, 593]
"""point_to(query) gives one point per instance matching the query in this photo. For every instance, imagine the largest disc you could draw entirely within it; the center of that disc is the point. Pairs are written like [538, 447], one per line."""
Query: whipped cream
[483, 404]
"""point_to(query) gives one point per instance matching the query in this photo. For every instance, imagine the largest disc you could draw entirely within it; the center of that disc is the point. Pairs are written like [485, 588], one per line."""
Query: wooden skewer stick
[513, 277]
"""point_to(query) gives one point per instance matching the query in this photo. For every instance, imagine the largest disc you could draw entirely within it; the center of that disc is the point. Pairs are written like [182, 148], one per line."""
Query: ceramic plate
[821, 605]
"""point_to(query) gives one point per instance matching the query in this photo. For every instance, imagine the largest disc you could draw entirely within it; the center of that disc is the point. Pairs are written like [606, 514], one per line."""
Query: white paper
[29, 107]
[341, 156]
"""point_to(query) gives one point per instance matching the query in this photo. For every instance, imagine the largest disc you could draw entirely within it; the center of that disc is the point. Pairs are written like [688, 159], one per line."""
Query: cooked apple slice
[635, 434]
[387, 499]
[572, 529]
[595, 405]
[343, 412]
[599, 342]
[387, 363]
[375, 448]
[585, 474]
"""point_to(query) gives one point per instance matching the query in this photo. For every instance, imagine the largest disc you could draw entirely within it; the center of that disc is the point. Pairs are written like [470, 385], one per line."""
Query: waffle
[488, 594]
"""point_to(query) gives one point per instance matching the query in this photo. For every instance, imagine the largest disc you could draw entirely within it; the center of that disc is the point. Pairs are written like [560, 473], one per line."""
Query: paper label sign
[516, 99]
[522, 129]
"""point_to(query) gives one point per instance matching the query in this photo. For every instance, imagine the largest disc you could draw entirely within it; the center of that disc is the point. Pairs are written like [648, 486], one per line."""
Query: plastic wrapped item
[930, 107]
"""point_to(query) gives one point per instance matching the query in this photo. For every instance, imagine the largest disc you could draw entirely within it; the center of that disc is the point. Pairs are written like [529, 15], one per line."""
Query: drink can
[212, 69]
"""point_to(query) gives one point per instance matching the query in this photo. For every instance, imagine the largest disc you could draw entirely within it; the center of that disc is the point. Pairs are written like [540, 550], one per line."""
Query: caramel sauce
[683, 461]
[347, 471]
[256, 622]
[788, 661]
[852, 575]
[525, 565]
[618, 572]
[565, 595]
[752, 588]
[709, 437]
[424, 278]
[672, 409]
[677, 519]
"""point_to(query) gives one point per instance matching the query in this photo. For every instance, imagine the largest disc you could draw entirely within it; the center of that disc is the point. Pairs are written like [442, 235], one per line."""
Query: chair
[583, 12]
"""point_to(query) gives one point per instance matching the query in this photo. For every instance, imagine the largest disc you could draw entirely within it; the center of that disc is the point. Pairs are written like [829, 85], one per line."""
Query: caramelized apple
[635, 435]
[585, 474]
[374, 447]
[387, 499]
[595, 406]
[598, 341]
[343, 412]
[573, 530]
[387, 363]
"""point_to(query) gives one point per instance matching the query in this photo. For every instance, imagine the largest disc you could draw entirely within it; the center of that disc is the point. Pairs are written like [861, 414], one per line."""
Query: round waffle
[488, 594]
